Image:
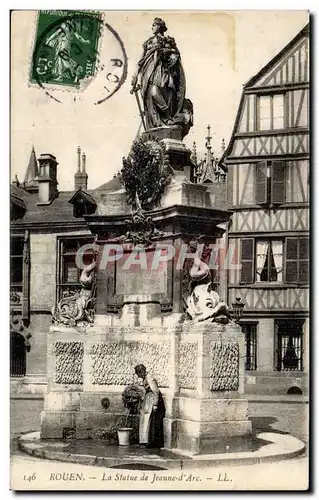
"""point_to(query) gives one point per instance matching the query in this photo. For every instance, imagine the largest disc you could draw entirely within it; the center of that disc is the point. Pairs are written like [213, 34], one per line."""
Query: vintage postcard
[159, 322]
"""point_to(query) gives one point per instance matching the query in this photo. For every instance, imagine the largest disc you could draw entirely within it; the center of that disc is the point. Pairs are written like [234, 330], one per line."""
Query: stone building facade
[47, 227]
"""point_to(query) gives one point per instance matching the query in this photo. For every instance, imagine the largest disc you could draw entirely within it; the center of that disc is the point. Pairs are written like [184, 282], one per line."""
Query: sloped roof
[19, 192]
[60, 210]
[80, 193]
[17, 205]
[112, 185]
[252, 81]
[17, 201]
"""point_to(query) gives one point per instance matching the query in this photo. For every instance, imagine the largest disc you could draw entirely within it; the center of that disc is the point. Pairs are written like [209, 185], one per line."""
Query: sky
[220, 51]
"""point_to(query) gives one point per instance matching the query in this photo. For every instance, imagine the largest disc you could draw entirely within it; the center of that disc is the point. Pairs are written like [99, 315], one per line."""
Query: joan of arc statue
[161, 80]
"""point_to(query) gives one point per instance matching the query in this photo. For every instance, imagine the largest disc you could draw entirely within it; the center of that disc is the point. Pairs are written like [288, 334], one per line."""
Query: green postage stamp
[66, 47]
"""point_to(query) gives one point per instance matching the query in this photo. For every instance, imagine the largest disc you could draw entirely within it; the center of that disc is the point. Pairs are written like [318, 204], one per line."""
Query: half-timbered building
[268, 190]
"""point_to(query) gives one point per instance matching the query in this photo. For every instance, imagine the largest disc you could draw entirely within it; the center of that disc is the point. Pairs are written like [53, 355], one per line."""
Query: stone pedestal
[209, 410]
[171, 136]
[199, 368]
[140, 318]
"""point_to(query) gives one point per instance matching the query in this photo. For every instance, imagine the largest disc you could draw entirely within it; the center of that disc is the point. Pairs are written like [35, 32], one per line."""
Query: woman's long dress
[162, 84]
[151, 421]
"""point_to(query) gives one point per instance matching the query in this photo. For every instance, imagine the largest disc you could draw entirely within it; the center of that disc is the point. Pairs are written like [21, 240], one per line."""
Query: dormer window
[83, 204]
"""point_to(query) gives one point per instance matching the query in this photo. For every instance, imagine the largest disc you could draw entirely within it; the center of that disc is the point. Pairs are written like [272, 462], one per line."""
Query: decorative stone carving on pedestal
[224, 373]
[78, 306]
[187, 365]
[202, 302]
[69, 362]
[113, 362]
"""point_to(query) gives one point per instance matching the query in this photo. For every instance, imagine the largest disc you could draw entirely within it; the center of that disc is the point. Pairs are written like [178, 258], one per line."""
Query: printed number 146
[30, 478]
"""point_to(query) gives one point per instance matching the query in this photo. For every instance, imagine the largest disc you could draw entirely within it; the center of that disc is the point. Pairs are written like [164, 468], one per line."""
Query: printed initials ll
[222, 476]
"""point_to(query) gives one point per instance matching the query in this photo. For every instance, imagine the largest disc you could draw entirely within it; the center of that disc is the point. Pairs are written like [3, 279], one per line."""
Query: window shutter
[303, 260]
[278, 182]
[247, 260]
[291, 264]
[261, 183]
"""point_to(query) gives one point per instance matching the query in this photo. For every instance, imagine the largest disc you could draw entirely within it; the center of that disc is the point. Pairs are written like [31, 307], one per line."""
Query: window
[297, 260]
[271, 112]
[16, 253]
[274, 260]
[69, 273]
[270, 182]
[269, 260]
[16, 272]
[83, 204]
[250, 331]
[289, 344]
[17, 355]
[19, 275]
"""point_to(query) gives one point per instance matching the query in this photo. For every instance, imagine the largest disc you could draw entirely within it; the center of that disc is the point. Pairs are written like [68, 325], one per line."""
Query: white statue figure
[202, 302]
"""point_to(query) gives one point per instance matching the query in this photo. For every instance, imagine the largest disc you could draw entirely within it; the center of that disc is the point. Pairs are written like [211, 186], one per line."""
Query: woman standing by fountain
[152, 413]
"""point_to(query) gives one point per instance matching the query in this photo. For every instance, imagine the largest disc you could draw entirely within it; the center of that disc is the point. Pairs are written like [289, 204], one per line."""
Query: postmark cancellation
[69, 54]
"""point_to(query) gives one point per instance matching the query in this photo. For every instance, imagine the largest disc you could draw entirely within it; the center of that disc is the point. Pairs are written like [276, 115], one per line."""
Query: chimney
[80, 177]
[79, 159]
[47, 179]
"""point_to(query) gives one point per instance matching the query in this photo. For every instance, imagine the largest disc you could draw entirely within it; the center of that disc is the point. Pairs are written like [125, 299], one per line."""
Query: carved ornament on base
[201, 301]
[79, 307]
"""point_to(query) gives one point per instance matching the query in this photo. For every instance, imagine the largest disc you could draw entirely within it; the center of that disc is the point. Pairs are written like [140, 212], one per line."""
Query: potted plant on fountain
[132, 398]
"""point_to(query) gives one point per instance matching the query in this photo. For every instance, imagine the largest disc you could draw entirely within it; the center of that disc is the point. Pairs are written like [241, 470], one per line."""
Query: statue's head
[140, 371]
[159, 26]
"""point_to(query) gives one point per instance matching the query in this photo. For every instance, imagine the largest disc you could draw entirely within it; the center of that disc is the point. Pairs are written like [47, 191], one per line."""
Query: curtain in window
[276, 247]
[261, 256]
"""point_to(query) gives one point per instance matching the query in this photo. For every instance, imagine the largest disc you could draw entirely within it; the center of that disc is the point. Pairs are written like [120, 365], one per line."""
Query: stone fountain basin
[276, 447]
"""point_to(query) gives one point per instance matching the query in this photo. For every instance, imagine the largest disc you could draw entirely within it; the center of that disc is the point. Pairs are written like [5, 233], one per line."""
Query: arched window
[17, 355]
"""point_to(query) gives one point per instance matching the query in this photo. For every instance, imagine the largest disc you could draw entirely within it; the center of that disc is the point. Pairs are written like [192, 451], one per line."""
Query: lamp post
[238, 308]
